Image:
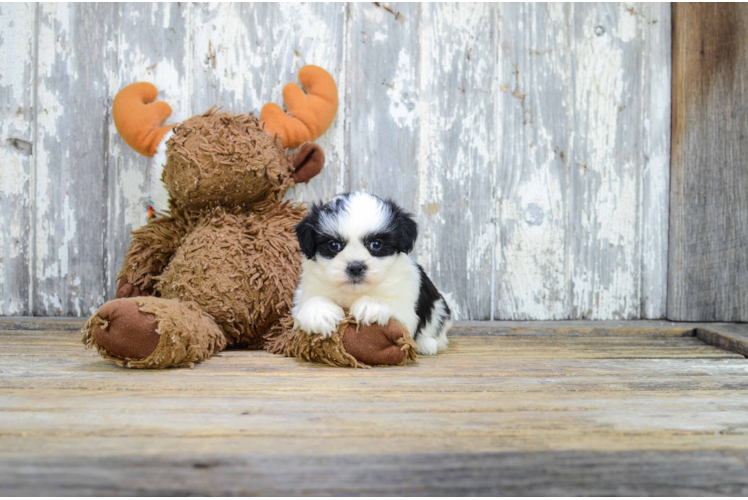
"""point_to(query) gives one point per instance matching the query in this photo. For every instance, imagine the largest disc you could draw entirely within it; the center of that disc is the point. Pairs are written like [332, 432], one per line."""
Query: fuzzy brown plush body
[220, 269]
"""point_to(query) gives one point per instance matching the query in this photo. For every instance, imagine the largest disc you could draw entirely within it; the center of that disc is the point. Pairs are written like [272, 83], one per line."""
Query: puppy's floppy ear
[404, 226]
[305, 232]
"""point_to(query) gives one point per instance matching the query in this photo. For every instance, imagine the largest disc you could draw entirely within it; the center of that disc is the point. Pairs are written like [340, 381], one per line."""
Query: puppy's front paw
[367, 311]
[427, 345]
[319, 316]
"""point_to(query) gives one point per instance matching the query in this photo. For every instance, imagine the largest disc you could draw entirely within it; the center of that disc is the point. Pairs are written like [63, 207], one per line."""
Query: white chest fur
[399, 290]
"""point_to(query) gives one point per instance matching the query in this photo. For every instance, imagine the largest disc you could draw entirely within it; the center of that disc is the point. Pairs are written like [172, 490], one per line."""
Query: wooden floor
[510, 409]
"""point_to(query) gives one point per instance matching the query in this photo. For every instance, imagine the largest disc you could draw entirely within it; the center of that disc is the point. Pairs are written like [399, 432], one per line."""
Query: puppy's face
[356, 238]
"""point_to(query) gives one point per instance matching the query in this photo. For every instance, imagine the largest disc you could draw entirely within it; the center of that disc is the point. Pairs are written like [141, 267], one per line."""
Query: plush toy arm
[309, 114]
[151, 248]
[351, 345]
[138, 119]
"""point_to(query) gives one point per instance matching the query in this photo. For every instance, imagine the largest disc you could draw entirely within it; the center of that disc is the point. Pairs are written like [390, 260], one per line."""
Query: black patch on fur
[403, 226]
[311, 240]
[306, 229]
[389, 242]
[428, 296]
[324, 245]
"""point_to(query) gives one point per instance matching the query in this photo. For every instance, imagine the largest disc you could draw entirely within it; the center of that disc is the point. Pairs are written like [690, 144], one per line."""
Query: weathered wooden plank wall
[709, 202]
[531, 141]
[16, 153]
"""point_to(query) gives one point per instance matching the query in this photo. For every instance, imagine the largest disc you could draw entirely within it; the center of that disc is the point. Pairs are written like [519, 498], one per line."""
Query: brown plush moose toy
[219, 268]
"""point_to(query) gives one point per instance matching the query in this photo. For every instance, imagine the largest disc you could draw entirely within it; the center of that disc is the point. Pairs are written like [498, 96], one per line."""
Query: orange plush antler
[309, 114]
[138, 119]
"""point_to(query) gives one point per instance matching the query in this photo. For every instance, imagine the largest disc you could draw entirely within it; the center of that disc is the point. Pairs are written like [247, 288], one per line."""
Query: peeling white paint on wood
[606, 163]
[575, 89]
[457, 152]
[531, 274]
[71, 194]
[655, 143]
[383, 101]
[531, 141]
[17, 43]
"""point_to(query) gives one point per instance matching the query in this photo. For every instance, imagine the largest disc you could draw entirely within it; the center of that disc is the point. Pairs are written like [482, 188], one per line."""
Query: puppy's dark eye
[334, 246]
[375, 245]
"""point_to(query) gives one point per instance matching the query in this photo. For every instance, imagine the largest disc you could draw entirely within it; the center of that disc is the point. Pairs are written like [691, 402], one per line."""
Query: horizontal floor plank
[560, 473]
[731, 337]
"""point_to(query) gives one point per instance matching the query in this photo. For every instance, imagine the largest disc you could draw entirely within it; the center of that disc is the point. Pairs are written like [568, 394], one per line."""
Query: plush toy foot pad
[152, 332]
[378, 345]
[124, 331]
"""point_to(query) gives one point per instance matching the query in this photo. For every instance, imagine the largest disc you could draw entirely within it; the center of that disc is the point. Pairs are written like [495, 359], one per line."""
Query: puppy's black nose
[356, 269]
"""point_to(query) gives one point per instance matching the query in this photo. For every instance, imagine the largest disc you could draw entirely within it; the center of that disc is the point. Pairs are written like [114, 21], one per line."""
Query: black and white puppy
[356, 258]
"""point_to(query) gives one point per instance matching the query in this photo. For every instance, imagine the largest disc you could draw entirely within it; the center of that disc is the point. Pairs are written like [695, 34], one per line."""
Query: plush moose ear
[405, 227]
[307, 162]
[310, 111]
[138, 119]
[305, 232]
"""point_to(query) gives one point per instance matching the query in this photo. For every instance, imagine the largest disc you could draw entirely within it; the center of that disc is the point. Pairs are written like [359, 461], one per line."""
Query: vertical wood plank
[457, 155]
[71, 179]
[148, 42]
[605, 162]
[244, 54]
[534, 136]
[581, 148]
[383, 101]
[654, 127]
[17, 44]
[612, 110]
[708, 273]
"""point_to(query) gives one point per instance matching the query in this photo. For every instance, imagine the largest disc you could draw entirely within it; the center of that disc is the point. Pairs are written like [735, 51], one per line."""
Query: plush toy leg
[151, 332]
[352, 345]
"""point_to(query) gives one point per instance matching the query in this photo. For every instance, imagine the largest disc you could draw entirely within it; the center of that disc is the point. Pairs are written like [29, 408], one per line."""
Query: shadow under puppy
[356, 259]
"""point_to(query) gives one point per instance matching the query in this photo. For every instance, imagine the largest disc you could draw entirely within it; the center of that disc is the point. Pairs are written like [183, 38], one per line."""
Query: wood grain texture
[532, 270]
[456, 153]
[655, 114]
[17, 50]
[70, 206]
[605, 164]
[383, 101]
[581, 178]
[41, 323]
[571, 473]
[652, 328]
[646, 413]
[708, 278]
[730, 337]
